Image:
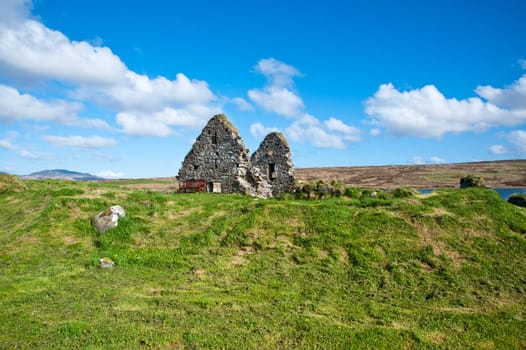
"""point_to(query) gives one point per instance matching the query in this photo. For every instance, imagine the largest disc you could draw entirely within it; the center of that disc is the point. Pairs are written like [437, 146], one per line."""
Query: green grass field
[227, 271]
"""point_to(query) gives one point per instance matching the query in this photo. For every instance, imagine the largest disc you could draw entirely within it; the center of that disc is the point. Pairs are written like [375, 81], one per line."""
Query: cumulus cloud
[34, 155]
[322, 134]
[498, 149]
[518, 139]
[89, 72]
[160, 123]
[140, 93]
[277, 73]
[15, 106]
[109, 174]
[7, 141]
[242, 104]
[375, 132]
[259, 131]
[277, 95]
[419, 160]
[426, 112]
[278, 100]
[349, 133]
[12, 11]
[437, 160]
[80, 141]
[32, 49]
[512, 97]
[7, 144]
[516, 144]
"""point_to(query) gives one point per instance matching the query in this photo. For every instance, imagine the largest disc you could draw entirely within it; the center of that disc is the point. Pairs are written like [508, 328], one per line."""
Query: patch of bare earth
[429, 238]
[322, 253]
[239, 258]
[435, 337]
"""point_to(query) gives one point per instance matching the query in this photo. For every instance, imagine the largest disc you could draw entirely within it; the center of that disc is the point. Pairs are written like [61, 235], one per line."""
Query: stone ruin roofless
[220, 157]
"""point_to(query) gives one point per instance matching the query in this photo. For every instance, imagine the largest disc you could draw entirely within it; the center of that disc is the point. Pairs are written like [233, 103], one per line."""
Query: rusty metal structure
[192, 185]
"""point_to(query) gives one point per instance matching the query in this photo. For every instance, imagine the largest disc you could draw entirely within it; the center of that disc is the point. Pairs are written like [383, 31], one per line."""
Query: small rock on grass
[106, 263]
[108, 218]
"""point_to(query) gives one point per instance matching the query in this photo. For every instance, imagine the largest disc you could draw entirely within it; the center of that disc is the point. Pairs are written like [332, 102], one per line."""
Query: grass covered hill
[226, 271]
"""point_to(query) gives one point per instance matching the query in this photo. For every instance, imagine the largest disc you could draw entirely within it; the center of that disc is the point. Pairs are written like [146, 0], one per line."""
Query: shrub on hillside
[518, 199]
[11, 183]
[472, 181]
[320, 189]
[403, 192]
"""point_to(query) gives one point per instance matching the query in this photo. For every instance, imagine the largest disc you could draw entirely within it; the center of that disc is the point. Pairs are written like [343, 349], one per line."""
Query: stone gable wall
[218, 155]
[273, 160]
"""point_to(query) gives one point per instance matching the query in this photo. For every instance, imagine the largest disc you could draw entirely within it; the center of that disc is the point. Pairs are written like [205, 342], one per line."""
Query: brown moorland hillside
[502, 174]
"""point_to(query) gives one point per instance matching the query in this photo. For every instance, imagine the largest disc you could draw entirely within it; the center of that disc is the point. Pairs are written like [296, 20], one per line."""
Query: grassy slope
[222, 271]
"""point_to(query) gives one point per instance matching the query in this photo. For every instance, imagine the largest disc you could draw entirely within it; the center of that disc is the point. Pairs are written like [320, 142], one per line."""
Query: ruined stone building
[272, 158]
[220, 157]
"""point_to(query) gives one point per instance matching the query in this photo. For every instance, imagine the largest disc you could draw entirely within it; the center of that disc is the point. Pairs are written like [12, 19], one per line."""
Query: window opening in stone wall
[214, 139]
[196, 167]
[272, 171]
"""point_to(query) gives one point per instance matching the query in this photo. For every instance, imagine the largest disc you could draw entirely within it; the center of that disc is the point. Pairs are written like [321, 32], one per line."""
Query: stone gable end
[273, 160]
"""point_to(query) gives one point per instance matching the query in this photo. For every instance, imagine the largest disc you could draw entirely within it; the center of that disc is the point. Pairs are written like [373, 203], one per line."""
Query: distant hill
[61, 174]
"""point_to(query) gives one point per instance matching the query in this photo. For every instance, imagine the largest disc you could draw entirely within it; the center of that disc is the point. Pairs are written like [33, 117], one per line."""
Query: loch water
[505, 193]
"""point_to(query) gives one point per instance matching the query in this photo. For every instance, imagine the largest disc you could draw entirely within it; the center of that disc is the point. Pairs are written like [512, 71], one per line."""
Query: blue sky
[122, 88]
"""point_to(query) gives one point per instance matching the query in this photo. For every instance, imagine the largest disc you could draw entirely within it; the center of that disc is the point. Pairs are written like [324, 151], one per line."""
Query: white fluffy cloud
[517, 144]
[30, 49]
[349, 133]
[88, 73]
[277, 96]
[15, 106]
[426, 112]
[7, 141]
[159, 123]
[323, 135]
[109, 174]
[7, 144]
[242, 104]
[375, 132]
[437, 160]
[80, 141]
[512, 97]
[141, 93]
[518, 139]
[34, 155]
[13, 11]
[259, 131]
[279, 100]
[277, 73]
[498, 149]
[419, 160]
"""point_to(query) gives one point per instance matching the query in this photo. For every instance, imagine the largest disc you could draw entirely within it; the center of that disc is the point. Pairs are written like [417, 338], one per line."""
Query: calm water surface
[505, 193]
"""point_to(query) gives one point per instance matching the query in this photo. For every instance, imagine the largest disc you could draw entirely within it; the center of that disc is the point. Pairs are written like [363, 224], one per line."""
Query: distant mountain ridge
[61, 174]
